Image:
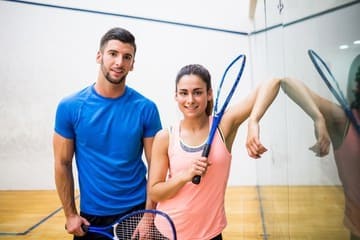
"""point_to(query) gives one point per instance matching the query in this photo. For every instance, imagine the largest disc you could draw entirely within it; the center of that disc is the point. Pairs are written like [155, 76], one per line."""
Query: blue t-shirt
[108, 136]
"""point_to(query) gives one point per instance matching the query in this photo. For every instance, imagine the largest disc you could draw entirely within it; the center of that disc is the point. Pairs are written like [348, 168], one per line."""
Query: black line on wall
[191, 25]
[132, 17]
[306, 18]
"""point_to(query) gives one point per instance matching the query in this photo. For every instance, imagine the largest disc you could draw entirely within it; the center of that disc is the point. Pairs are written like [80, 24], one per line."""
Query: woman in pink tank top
[331, 124]
[197, 210]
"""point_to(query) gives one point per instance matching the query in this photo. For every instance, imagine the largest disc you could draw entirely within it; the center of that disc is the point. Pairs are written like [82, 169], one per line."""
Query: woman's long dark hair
[356, 103]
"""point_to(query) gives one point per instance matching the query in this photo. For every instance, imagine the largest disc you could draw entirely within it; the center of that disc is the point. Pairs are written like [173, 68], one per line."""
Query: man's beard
[115, 81]
[112, 80]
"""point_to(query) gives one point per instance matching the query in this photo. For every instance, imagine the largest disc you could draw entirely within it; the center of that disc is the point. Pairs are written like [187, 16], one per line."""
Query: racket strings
[228, 83]
[144, 225]
[333, 85]
[328, 77]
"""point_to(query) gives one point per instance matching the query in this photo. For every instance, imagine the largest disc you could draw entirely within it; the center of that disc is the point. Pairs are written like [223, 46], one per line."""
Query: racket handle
[196, 179]
[85, 228]
[205, 153]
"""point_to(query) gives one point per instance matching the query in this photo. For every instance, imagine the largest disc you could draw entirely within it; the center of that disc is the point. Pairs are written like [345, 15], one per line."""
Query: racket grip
[85, 228]
[205, 153]
[196, 179]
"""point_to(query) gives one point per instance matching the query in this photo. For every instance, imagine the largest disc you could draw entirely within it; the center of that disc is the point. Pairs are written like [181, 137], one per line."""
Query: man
[107, 126]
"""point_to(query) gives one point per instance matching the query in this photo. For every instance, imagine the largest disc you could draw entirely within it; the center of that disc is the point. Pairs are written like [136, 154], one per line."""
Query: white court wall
[48, 53]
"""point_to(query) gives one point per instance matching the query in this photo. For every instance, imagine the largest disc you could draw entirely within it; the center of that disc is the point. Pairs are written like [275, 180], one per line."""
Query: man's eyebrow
[112, 50]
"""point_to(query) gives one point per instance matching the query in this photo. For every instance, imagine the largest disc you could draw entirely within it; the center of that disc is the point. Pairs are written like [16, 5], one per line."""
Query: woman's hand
[198, 168]
[253, 145]
[322, 145]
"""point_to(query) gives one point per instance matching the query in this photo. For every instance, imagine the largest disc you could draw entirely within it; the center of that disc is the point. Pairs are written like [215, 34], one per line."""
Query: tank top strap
[173, 137]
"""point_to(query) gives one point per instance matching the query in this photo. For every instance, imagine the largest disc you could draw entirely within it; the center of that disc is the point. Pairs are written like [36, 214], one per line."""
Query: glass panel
[267, 43]
[301, 195]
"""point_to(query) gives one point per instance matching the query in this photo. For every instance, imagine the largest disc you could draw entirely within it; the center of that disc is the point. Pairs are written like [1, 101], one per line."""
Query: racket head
[329, 79]
[228, 84]
[226, 89]
[154, 223]
[333, 85]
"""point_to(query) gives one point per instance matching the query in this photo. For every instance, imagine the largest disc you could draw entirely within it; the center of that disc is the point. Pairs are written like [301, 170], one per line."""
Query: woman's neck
[194, 131]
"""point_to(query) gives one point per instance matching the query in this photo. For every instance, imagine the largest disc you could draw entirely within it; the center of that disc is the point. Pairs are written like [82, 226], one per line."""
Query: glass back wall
[303, 195]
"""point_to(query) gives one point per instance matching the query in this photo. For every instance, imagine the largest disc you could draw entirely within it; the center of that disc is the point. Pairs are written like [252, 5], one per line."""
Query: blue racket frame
[104, 230]
[217, 115]
[337, 93]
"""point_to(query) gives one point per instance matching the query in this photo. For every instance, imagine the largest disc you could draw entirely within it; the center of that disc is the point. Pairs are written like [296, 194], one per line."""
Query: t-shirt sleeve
[63, 120]
[152, 120]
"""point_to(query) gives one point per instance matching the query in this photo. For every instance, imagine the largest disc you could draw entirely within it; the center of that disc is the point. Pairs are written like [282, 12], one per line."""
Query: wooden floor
[254, 213]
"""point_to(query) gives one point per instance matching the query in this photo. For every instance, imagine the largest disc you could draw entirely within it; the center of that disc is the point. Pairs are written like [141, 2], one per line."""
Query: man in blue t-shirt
[106, 126]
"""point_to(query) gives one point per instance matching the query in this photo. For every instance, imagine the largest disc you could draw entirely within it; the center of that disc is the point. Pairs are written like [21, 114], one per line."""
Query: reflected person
[330, 124]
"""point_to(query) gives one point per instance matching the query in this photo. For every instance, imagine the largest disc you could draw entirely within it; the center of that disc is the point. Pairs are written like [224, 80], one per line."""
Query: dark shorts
[102, 221]
[354, 237]
[218, 237]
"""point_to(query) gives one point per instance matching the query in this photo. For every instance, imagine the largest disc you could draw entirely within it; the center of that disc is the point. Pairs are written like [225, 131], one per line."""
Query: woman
[197, 210]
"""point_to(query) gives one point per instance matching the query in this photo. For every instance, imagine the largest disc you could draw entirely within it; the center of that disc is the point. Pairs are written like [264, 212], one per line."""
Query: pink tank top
[198, 210]
[347, 158]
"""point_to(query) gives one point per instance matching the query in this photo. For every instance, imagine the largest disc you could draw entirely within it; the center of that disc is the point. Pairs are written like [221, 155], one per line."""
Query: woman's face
[192, 95]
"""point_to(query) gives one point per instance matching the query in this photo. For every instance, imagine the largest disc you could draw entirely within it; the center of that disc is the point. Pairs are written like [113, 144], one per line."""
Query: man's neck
[109, 90]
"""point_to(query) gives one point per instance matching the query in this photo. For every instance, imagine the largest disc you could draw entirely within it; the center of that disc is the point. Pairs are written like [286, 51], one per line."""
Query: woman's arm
[266, 95]
[301, 95]
[235, 115]
[312, 104]
[159, 187]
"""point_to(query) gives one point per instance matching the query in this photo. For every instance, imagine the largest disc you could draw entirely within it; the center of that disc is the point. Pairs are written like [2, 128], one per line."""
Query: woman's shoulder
[163, 134]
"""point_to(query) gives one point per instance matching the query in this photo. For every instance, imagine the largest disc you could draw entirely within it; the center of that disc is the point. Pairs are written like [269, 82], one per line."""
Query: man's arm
[148, 142]
[64, 180]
